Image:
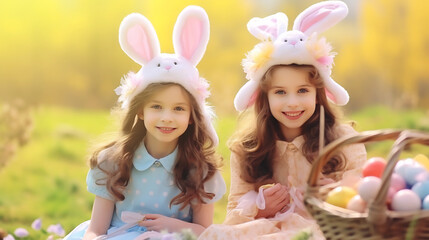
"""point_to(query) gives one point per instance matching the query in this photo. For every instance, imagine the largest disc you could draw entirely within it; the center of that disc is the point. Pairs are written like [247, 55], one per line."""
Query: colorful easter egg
[357, 204]
[426, 203]
[423, 160]
[368, 188]
[403, 164]
[423, 176]
[390, 193]
[409, 169]
[374, 167]
[397, 182]
[406, 200]
[421, 189]
[340, 196]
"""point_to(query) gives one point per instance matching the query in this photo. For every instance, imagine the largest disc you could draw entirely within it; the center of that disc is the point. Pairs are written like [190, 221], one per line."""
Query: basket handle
[333, 147]
[377, 208]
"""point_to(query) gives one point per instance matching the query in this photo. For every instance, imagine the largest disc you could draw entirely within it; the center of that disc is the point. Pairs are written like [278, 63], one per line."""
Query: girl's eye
[156, 106]
[280, 92]
[179, 109]
[302, 90]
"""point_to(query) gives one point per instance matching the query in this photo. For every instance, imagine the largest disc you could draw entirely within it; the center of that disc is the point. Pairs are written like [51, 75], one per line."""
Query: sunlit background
[60, 61]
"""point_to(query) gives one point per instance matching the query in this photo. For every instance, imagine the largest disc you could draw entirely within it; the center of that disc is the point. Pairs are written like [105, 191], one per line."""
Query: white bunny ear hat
[139, 41]
[298, 46]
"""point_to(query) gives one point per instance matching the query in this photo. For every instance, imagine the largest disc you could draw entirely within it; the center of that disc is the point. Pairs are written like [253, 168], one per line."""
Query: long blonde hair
[257, 144]
[196, 159]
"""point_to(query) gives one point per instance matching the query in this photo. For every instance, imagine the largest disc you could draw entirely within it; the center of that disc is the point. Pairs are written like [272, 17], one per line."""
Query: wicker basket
[378, 222]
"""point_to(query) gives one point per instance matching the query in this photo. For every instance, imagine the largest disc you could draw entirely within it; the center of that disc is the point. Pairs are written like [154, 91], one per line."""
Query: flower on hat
[128, 86]
[258, 56]
[202, 90]
[320, 49]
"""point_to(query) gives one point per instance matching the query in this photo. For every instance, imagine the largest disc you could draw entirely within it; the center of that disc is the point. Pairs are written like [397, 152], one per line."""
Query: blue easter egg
[426, 203]
[401, 167]
[421, 189]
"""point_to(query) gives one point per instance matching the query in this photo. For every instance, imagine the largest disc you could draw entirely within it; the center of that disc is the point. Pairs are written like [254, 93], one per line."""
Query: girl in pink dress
[289, 76]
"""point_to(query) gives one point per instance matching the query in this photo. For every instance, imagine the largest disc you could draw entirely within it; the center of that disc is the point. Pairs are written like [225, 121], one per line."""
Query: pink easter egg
[374, 167]
[390, 193]
[406, 200]
[368, 188]
[423, 176]
[357, 204]
[397, 182]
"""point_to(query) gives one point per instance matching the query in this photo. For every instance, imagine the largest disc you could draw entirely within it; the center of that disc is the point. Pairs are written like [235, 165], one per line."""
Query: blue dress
[149, 191]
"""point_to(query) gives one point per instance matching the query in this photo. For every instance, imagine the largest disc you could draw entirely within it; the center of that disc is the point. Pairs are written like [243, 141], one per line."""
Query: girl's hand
[276, 199]
[158, 222]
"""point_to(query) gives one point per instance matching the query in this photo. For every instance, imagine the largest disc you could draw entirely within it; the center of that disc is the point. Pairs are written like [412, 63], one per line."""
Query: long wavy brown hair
[257, 144]
[196, 160]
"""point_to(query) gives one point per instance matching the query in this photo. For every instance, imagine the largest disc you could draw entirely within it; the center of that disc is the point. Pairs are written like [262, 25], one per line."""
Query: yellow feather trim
[319, 48]
[259, 55]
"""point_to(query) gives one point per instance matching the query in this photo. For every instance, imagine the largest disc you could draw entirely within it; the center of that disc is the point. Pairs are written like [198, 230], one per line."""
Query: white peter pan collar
[143, 160]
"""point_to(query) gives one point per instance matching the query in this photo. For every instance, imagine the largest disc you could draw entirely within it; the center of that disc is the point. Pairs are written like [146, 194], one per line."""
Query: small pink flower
[169, 236]
[51, 237]
[21, 232]
[37, 224]
[56, 229]
[9, 237]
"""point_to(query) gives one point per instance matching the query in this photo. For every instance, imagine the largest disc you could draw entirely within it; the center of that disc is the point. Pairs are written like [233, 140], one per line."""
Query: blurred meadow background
[60, 61]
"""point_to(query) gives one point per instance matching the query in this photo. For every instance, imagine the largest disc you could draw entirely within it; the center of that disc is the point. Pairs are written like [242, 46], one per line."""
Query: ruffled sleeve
[96, 179]
[215, 185]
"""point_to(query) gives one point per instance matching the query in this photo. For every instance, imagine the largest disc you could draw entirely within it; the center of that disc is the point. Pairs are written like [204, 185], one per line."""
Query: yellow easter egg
[340, 196]
[423, 160]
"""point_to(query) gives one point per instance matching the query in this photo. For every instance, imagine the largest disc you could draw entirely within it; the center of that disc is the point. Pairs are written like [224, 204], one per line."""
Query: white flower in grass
[21, 232]
[56, 229]
[37, 224]
[9, 237]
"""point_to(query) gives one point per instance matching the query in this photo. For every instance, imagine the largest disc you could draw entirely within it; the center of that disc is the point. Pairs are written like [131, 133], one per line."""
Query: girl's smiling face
[166, 116]
[292, 99]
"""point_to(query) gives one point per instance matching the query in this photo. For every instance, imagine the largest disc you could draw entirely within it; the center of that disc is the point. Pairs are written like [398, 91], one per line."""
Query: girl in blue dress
[161, 174]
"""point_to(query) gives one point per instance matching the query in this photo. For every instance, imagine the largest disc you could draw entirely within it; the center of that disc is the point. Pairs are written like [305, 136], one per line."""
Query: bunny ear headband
[298, 46]
[139, 41]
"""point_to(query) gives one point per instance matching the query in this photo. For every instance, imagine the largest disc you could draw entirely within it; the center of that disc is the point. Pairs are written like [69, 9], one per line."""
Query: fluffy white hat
[139, 41]
[298, 46]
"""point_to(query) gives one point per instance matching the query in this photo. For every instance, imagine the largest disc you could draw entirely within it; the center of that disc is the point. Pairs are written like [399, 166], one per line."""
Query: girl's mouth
[166, 130]
[293, 115]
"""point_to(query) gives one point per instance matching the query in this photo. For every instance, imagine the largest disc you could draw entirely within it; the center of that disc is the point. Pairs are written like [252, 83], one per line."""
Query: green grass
[46, 178]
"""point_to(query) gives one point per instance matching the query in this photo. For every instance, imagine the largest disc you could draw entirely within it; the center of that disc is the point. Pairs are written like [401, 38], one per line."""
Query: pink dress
[292, 169]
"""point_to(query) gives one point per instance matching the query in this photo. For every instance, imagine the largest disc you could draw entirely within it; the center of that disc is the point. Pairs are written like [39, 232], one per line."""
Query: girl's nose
[166, 116]
[292, 101]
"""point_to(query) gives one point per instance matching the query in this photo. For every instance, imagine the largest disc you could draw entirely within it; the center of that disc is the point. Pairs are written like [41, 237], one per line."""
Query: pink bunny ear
[138, 38]
[246, 96]
[269, 27]
[191, 33]
[320, 16]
